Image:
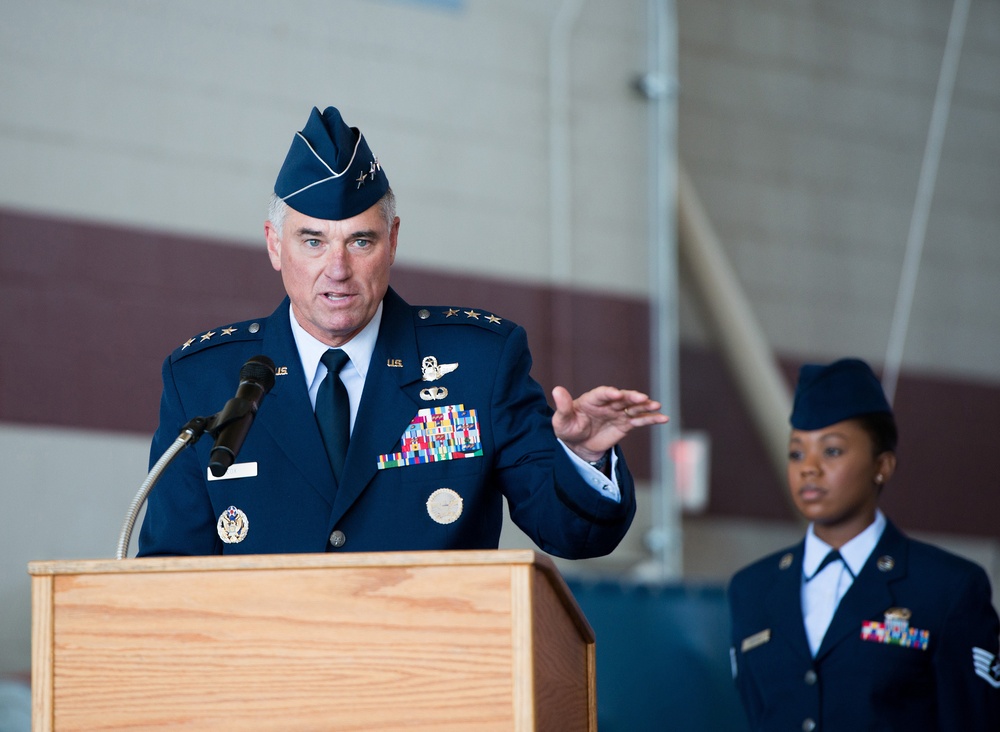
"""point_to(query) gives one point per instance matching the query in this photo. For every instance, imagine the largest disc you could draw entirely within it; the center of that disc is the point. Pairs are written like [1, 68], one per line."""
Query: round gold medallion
[444, 506]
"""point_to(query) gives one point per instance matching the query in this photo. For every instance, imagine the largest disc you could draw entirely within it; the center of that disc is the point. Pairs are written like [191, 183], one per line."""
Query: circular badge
[885, 563]
[233, 525]
[444, 506]
[786, 561]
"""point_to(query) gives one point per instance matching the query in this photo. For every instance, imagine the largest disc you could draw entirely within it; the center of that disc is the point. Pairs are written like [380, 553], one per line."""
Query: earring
[878, 479]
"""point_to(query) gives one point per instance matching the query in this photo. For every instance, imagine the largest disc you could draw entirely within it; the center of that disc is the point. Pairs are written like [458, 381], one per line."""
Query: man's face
[335, 272]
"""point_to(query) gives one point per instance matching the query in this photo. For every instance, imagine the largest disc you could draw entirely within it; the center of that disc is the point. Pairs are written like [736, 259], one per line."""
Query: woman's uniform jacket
[487, 414]
[912, 645]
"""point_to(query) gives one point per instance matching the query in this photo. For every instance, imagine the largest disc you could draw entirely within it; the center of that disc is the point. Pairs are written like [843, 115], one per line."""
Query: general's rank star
[472, 314]
[493, 319]
[208, 335]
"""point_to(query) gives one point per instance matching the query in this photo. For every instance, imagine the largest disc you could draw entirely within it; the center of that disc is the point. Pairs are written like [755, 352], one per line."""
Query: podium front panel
[421, 641]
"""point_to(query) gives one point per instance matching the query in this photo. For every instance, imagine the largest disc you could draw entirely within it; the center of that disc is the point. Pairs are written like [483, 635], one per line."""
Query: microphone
[233, 423]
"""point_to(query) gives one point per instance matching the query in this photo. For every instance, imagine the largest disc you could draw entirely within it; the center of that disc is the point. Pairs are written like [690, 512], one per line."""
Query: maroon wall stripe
[89, 311]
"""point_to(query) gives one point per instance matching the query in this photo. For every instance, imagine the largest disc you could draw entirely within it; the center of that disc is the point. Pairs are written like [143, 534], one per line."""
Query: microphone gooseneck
[230, 427]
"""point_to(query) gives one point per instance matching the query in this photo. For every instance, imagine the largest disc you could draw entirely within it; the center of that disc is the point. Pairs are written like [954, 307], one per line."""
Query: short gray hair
[277, 209]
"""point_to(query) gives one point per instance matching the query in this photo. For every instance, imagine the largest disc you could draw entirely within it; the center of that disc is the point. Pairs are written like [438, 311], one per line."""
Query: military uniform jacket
[863, 677]
[288, 500]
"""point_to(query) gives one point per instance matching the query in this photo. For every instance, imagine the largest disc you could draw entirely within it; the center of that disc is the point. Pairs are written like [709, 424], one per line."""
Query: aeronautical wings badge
[432, 370]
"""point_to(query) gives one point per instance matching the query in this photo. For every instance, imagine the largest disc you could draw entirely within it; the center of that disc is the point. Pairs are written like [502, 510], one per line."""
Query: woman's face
[835, 477]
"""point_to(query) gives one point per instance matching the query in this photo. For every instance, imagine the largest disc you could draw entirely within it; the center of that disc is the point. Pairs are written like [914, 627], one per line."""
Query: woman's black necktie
[833, 556]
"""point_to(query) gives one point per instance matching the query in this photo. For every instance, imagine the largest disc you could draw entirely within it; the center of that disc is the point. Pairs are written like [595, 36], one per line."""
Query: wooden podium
[481, 640]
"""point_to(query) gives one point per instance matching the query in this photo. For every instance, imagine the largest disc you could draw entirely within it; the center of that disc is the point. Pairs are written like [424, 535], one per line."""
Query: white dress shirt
[822, 593]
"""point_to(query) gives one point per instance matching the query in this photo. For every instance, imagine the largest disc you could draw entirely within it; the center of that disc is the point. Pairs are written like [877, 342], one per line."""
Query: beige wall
[804, 126]
[176, 115]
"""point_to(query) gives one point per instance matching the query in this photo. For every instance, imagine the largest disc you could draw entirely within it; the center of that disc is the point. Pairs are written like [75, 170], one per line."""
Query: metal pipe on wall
[561, 175]
[659, 85]
[560, 148]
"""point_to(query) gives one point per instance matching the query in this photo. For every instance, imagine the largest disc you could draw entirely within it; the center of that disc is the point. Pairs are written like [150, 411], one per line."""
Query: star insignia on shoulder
[208, 335]
[450, 312]
[187, 343]
[229, 331]
[472, 314]
[493, 319]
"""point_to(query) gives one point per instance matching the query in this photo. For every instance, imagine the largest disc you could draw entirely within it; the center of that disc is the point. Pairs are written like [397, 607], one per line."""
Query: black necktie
[333, 410]
[833, 556]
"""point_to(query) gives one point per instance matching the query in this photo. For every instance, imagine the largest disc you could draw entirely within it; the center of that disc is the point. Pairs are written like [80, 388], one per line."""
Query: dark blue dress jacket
[293, 504]
[856, 684]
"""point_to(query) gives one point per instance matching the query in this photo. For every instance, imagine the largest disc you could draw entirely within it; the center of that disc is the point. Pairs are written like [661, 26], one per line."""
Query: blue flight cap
[832, 393]
[329, 171]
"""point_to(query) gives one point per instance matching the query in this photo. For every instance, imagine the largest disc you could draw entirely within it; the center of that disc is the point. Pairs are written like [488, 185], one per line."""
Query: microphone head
[259, 370]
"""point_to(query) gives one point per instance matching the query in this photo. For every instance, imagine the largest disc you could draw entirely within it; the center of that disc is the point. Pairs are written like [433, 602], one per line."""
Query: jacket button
[338, 539]
[808, 725]
[810, 677]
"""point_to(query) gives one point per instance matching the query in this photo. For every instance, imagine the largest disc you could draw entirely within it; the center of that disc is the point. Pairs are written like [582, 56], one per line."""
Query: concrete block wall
[804, 126]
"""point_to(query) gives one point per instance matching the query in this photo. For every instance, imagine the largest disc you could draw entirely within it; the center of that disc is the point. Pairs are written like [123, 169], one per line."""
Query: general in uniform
[446, 422]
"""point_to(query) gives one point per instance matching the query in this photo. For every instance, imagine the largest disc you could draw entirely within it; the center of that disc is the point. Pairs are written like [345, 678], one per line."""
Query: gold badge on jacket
[433, 393]
[444, 506]
[233, 525]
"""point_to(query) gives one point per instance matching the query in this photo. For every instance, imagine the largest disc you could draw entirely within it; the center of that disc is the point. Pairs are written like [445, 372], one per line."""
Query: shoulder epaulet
[440, 315]
[248, 330]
